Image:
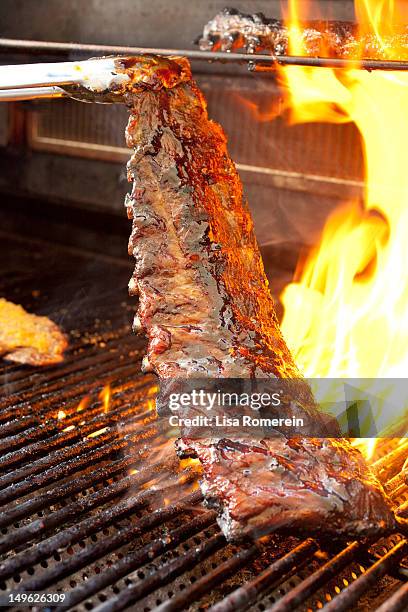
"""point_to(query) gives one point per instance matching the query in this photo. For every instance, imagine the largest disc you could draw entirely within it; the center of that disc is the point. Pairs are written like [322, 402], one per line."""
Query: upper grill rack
[39, 46]
[32, 81]
[96, 506]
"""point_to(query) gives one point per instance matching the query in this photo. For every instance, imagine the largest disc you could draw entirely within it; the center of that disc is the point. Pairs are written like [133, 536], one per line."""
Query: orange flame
[367, 446]
[191, 463]
[105, 397]
[379, 17]
[345, 313]
[84, 403]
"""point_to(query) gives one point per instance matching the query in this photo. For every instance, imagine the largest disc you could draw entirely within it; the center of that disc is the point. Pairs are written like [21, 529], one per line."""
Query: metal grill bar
[47, 420]
[43, 438]
[392, 462]
[208, 582]
[24, 386]
[32, 451]
[249, 593]
[403, 509]
[62, 438]
[309, 586]
[134, 560]
[83, 529]
[106, 372]
[167, 573]
[397, 602]
[33, 505]
[34, 46]
[397, 484]
[347, 598]
[77, 370]
[56, 470]
[70, 512]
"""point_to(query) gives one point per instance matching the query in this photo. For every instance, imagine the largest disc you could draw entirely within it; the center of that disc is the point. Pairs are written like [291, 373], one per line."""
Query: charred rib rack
[204, 299]
[231, 30]
[207, 311]
[314, 486]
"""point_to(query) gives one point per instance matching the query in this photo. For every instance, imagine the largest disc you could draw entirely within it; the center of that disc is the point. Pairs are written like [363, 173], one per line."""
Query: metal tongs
[92, 80]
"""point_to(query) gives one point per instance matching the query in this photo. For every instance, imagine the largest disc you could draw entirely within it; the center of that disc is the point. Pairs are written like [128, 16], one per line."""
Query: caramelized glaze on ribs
[313, 486]
[232, 30]
[207, 311]
[204, 298]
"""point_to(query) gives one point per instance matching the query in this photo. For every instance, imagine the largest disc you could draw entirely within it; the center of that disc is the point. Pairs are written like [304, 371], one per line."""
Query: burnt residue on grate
[93, 502]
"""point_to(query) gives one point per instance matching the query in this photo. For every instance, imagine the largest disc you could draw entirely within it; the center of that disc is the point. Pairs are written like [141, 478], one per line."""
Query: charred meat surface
[232, 30]
[309, 485]
[28, 338]
[204, 297]
[205, 306]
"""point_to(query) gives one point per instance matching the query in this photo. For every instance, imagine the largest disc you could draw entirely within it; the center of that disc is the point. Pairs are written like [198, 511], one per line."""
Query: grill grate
[93, 501]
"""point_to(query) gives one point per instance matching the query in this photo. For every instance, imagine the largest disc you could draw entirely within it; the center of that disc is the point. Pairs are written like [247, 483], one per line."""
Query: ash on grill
[93, 501]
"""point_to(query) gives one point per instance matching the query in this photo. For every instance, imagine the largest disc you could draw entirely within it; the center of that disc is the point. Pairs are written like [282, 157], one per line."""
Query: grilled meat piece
[204, 298]
[232, 30]
[309, 485]
[207, 311]
[29, 339]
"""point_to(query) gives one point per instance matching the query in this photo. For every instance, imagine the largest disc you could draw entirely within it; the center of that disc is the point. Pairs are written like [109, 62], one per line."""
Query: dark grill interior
[93, 500]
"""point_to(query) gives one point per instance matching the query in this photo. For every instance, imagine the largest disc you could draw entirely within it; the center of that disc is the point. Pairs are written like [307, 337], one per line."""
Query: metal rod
[208, 582]
[52, 401]
[67, 461]
[32, 451]
[93, 523]
[31, 93]
[32, 441]
[69, 536]
[72, 414]
[391, 463]
[73, 510]
[347, 598]
[217, 56]
[248, 593]
[296, 596]
[81, 483]
[164, 575]
[136, 558]
[79, 370]
[398, 602]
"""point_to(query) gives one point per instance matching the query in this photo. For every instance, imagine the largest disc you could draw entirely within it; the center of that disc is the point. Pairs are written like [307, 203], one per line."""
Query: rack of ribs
[231, 30]
[206, 309]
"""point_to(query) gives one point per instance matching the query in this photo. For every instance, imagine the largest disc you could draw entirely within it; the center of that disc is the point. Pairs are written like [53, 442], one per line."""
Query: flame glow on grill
[84, 403]
[367, 446]
[345, 313]
[354, 282]
[105, 396]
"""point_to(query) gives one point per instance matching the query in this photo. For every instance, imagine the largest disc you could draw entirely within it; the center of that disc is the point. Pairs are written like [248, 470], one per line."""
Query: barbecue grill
[94, 504]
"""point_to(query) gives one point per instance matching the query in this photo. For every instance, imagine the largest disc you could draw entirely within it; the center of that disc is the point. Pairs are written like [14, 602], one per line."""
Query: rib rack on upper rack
[231, 30]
